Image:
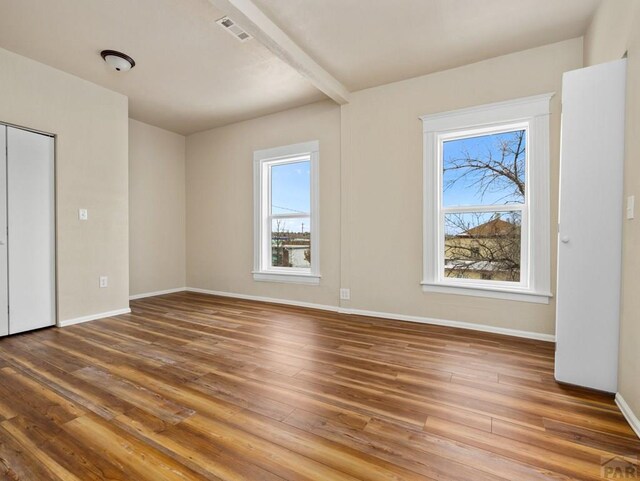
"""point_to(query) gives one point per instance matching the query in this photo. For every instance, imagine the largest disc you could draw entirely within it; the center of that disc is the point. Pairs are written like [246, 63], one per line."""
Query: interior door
[4, 294]
[31, 221]
[590, 231]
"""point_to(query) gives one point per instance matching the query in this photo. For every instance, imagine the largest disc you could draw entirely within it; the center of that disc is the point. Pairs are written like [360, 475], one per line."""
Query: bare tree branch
[488, 174]
[475, 246]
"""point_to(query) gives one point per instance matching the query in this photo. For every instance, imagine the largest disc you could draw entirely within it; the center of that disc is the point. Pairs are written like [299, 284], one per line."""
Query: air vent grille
[233, 28]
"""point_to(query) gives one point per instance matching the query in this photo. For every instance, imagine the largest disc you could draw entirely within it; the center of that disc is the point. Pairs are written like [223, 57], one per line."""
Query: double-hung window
[286, 244]
[486, 200]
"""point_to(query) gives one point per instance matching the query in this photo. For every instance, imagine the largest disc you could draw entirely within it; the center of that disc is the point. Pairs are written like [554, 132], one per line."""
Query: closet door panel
[30, 174]
[4, 294]
[590, 231]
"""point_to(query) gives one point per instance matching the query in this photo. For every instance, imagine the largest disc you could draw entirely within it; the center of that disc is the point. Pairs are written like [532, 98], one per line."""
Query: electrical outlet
[345, 294]
[83, 214]
[104, 281]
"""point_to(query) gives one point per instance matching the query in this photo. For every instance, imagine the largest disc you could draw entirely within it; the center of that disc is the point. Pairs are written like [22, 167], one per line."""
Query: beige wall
[371, 158]
[91, 125]
[220, 202]
[609, 34]
[382, 175]
[156, 209]
[616, 29]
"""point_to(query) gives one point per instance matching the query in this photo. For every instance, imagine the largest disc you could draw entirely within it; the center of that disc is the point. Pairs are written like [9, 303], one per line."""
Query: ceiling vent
[233, 28]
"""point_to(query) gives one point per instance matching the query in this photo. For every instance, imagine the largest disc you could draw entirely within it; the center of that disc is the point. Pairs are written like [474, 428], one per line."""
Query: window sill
[290, 278]
[491, 292]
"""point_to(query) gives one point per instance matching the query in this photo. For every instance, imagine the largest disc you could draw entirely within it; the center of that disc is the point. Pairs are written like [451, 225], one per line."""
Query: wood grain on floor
[197, 387]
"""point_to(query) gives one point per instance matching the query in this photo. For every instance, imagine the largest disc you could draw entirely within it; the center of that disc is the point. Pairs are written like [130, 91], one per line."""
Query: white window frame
[263, 160]
[530, 114]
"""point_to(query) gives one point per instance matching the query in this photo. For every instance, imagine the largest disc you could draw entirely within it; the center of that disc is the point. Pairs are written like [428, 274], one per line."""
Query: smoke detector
[234, 29]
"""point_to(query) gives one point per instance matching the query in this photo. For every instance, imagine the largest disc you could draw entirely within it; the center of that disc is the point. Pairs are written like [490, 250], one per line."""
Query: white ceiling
[364, 43]
[191, 75]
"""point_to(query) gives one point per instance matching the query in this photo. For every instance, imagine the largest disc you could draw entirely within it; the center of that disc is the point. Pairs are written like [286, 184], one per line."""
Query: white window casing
[532, 115]
[263, 160]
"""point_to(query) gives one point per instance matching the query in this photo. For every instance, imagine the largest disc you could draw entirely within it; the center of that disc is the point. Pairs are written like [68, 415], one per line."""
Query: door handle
[564, 239]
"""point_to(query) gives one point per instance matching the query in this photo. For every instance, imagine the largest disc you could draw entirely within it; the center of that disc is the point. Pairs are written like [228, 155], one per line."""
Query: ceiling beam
[247, 14]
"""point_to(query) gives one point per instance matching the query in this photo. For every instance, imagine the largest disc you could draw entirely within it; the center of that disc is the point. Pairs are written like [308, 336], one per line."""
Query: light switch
[631, 206]
[83, 214]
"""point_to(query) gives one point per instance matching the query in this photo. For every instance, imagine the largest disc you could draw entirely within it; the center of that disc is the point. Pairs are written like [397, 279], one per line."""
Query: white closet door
[30, 175]
[590, 234]
[4, 293]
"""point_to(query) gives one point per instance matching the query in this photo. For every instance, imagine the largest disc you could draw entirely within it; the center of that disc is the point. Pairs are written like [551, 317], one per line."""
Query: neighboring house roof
[493, 228]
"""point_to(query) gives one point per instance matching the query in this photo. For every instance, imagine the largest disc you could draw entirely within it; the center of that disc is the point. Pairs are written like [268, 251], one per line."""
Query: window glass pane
[291, 242]
[291, 188]
[483, 246]
[484, 170]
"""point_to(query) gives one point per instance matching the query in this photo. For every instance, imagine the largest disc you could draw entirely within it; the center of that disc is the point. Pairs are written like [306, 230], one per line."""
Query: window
[286, 214]
[486, 201]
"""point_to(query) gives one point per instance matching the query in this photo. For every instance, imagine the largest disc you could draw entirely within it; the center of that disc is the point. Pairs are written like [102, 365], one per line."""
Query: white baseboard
[386, 315]
[93, 317]
[628, 414]
[322, 307]
[457, 324]
[157, 293]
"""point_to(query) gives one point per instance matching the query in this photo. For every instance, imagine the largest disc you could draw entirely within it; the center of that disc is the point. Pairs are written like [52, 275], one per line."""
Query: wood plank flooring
[194, 387]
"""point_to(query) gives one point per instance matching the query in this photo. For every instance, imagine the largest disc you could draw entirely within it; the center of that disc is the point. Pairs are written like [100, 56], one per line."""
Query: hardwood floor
[195, 387]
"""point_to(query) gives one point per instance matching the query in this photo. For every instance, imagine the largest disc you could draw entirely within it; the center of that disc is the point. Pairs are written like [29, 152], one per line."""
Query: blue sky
[291, 193]
[291, 188]
[464, 192]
